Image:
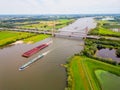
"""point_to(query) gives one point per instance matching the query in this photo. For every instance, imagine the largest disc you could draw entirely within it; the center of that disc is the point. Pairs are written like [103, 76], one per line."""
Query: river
[45, 74]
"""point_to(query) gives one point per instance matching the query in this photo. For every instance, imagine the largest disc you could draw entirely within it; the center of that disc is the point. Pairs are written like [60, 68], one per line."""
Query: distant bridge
[66, 34]
[73, 33]
[27, 30]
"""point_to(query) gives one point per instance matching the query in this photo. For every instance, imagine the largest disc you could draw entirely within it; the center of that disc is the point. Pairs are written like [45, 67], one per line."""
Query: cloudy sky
[59, 6]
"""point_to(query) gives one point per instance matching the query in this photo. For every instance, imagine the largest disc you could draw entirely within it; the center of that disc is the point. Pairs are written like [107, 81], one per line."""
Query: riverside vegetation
[82, 68]
[8, 37]
[82, 73]
[104, 28]
[86, 71]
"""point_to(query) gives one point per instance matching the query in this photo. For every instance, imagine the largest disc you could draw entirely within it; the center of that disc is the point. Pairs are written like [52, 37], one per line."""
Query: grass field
[36, 38]
[81, 73]
[104, 29]
[88, 72]
[7, 34]
[108, 80]
[48, 25]
[8, 37]
[108, 32]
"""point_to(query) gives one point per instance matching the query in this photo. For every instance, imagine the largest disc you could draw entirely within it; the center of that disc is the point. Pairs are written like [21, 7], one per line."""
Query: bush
[105, 60]
[94, 31]
[100, 46]
[118, 52]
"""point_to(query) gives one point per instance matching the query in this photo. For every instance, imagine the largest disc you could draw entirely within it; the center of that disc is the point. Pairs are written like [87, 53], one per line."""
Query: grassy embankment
[108, 80]
[8, 37]
[81, 73]
[104, 29]
[48, 25]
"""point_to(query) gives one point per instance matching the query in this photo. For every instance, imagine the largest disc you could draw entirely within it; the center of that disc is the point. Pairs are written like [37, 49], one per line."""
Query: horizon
[65, 14]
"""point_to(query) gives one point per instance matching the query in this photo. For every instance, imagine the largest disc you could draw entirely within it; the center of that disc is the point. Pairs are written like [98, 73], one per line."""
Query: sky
[59, 6]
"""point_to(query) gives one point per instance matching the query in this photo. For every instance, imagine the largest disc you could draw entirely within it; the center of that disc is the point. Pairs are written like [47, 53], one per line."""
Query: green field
[81, 73]
[104, 29]
[108, 80]
[8, 37]
[108, 32]
[7, 34]
[88, 72]
[48, 25]
[36, 38]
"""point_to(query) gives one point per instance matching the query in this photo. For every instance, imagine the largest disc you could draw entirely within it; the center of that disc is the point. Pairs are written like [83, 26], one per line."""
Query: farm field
[82, 75]
[47, 25]
[8, 37]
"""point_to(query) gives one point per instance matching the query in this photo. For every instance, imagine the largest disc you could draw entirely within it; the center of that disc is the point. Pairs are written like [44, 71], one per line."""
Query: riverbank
[81, 73]
[38, 75]
[9, 37]
[46, 73]
[105, 28]
[83, 68]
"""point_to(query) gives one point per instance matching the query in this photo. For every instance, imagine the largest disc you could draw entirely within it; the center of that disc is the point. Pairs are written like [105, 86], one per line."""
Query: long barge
[35, 50]
[33, 60]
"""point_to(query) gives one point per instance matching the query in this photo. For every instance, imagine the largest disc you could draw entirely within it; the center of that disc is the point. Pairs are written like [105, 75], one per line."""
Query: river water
[108, 54]
[45, 74]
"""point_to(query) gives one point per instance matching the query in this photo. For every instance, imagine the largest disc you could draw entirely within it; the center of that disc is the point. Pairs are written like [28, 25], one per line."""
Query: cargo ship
[33, 60]
[35, 50]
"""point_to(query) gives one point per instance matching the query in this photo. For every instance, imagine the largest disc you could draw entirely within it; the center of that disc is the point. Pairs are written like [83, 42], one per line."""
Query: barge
[35, 50]
[33, 60]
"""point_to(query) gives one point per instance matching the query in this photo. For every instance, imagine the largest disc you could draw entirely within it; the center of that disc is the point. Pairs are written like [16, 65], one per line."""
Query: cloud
[59, 6]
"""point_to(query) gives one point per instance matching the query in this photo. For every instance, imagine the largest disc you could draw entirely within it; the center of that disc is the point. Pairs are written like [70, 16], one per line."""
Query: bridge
[73, 33]
[68, 34]
[27, 30]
